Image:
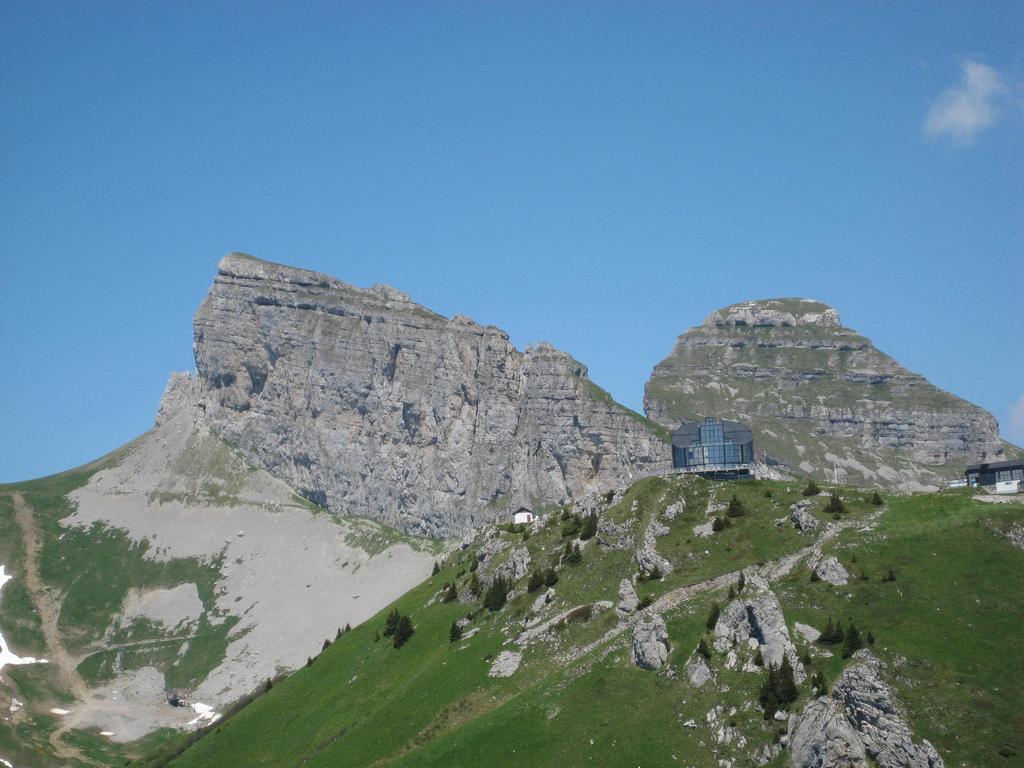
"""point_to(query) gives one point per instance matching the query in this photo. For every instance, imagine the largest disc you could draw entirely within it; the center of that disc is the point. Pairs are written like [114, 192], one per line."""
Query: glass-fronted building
[994, 472]
[714, 447]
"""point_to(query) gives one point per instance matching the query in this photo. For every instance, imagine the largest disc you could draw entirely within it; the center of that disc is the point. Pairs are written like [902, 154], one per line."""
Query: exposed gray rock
[1015, 534]
[650, 643]
[809, 633]
[756, 616]
[378, 407]
[647, 556]
[628, 600]
[860, 721]
[515, 567]
[829, 400]
[830, 570]
[506, 664]
[824, 738]
[870, 706]
[698, 671]
[801, 516]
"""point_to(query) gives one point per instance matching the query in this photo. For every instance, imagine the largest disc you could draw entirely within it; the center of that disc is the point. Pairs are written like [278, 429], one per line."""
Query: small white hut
[523, 516]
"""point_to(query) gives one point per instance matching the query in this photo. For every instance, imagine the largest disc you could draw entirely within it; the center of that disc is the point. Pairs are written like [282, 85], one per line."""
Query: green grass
[954, 614]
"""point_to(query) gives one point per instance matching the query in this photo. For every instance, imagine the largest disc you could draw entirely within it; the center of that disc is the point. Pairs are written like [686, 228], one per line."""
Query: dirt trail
[771, 571]
[48, 605]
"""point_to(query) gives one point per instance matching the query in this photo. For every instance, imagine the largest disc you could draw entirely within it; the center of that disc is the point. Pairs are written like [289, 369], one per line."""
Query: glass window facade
[714, 443]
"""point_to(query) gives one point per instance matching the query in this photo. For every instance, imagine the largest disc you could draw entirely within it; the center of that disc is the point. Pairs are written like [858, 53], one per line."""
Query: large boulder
[756, 615]
[650, 643]
[801, 516]
[698, 671]
[830, 570]
[628, 600]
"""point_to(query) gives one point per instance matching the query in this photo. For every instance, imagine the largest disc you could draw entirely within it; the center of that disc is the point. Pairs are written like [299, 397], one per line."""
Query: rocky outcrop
[860, 721]
[831, 571]
[375, 406]
[801, 516]
[506, 664]
[820, 398]
[515, 567]
[647, 557]
[628, 600]
[824, 738]
[650, 643]
[698, 671]
[755, 620]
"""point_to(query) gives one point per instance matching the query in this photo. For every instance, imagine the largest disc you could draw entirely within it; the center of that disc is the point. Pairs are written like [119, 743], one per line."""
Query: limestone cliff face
[375, 406]
[819, 395]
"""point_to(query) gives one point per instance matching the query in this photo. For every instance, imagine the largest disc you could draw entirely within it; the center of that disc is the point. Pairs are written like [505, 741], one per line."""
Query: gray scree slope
[817, 393]
[375, 406]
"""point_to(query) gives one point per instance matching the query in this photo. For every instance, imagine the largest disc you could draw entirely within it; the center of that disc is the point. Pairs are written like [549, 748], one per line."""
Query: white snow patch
[6, 763]
[206, 715]
[106, 733]
[6, 655]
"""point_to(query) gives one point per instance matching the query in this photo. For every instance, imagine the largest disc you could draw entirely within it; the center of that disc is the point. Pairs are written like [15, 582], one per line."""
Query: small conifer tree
[716, 611]
[497, 594]
[403, 631]
[870, 638]
[741, 583]
[550, 577]
[473, 564]
[732, 591]
[474, 585]
[876, 499]
[758, 658]
[835, 504]
[575, 554]
[436, 570]
[391, 623]
[812, 489]
[736, 508]
[655, 573]
[703, 650]
[853, 641]
[589, 528]
[536, 581]
[455, 633]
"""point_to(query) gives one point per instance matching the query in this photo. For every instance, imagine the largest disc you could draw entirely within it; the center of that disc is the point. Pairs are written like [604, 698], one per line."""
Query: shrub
[571, 526]
[890, 576]
[736, 508]
[473, 564]
[455, 633]
[758, 658]
[589, 528]
[645, 601]
[779, 689]
[403, 631]
[768, 494]
[716, 610]
[609, 496]
[326, 645]
[818, 684]
[853, 642]
[870, 638]
[815, 577]
[451, 594]
[876, 499]
[655, 574]
[720, 524]
[391, 622]
[833, 634]
[536, 582]
[812, 489]
[741, 583]
[436, 570]
[703, 650]
[572, 553]
[474, 585]
[497, 594]
[835, 504]
[550, 577]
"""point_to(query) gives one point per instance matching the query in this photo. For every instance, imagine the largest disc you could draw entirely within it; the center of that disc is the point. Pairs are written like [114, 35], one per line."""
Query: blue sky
[599, 175]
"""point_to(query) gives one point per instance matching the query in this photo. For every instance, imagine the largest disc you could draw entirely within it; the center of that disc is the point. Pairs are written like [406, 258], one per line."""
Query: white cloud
[965, 109]
[1016, 431]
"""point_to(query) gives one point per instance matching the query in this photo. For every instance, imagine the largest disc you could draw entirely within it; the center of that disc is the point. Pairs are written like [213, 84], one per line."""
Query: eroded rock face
[650, 643]
[628, 600]
[860, 721]
[831, 571]
[801, 516]
[378, 407]
[756, 616]
[824, 738]
[819, 396]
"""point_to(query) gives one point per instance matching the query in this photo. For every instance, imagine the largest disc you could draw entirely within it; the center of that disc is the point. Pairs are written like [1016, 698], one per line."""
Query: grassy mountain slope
[948, 627]
[141, 573]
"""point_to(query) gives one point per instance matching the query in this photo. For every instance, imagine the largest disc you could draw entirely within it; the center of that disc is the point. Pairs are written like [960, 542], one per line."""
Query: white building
[1009, 486]
[523, 516]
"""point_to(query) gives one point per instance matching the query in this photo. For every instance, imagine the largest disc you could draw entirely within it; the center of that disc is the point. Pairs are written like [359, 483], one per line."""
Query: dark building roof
[995, 465]
[732, 431]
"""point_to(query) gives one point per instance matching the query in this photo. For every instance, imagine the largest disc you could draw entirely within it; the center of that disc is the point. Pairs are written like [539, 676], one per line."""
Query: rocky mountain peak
[376, 406]
[790, 312]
